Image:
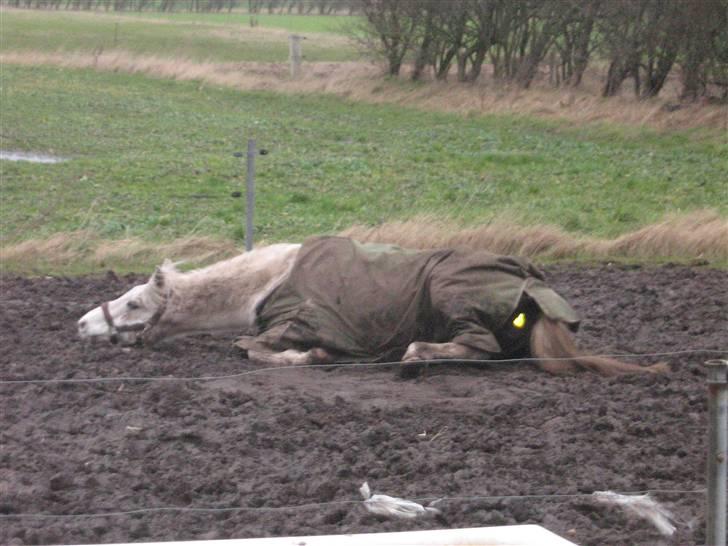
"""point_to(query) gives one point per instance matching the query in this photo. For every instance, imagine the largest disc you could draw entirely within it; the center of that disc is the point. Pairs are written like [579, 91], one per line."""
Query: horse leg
[420, 350]
[290, 357]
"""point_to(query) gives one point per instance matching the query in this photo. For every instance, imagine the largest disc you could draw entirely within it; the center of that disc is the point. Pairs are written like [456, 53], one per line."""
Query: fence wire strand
[440, 499]
[347, 364]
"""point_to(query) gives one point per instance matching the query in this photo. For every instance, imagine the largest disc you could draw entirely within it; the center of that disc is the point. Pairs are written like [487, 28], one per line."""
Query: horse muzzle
[89, 330]
[112, 336]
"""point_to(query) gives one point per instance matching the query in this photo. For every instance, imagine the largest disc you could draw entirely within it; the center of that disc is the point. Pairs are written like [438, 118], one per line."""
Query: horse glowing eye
[132, 306]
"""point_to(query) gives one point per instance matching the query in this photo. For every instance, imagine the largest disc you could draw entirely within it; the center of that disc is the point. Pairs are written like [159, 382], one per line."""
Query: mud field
[285, 452]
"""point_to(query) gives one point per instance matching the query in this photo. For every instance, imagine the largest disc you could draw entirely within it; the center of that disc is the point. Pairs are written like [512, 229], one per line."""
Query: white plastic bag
[385, 505]
[642, 505]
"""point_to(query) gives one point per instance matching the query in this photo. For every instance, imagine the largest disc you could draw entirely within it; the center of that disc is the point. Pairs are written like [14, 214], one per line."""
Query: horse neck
[224, 296]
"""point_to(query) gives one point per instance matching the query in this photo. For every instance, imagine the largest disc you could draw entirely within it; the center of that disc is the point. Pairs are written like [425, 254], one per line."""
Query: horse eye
[131, 305]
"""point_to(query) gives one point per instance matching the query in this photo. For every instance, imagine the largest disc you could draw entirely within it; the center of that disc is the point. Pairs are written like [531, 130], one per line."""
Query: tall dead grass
[82, 250]
[698, 236]
[701, 236]
[362, 81]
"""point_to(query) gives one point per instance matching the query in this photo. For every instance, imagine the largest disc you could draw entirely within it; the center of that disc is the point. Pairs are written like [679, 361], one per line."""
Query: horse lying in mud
[333, 299]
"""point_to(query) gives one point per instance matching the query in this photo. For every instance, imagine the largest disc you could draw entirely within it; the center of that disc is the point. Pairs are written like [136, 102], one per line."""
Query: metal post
[295, 56]
[250, 196]
[717, 452]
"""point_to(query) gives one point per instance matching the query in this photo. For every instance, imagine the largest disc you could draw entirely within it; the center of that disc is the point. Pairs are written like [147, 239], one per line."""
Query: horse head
[130, 317]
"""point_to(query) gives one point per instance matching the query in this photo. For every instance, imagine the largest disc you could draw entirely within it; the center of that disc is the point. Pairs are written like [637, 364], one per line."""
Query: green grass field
[154, 159]
[220, 38]
[333, 24]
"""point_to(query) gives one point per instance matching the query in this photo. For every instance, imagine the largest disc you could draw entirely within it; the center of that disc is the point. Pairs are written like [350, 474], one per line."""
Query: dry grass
[697, 237]
[364, 82]
[83, 251]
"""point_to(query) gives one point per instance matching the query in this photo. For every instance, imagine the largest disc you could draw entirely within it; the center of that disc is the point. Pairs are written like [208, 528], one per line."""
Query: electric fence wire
[339, 365]
[258, 509]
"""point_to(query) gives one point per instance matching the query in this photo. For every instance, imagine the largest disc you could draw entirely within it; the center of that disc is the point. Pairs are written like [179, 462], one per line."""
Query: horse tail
[552, 342]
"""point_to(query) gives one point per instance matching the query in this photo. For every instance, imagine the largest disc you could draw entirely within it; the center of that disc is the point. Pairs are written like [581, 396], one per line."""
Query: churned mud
[284, 452]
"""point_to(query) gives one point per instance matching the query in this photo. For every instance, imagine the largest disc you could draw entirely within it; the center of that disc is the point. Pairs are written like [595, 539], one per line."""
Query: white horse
[222, 297]
[229, 297]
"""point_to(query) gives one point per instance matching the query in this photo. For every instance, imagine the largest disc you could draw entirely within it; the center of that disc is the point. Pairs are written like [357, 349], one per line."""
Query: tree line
[637, 40]
[641, 41]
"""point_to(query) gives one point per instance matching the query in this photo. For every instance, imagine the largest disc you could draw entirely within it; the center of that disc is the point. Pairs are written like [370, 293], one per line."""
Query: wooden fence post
[295, 56]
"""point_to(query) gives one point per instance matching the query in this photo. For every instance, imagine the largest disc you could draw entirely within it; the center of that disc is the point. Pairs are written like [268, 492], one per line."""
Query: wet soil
[284, 452]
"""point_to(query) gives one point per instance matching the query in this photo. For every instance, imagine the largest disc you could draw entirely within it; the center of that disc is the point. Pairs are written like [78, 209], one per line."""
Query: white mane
[225, 295]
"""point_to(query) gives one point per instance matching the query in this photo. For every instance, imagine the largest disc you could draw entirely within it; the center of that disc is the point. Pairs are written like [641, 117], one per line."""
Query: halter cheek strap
[136, 327]
[107, 316]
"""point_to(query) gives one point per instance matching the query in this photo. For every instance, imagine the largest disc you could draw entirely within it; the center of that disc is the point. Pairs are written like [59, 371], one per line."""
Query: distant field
[335, 24]
[154, 159]
[222, 38]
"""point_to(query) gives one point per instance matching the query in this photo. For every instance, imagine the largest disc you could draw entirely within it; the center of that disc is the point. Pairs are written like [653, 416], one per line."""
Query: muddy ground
[286, 451]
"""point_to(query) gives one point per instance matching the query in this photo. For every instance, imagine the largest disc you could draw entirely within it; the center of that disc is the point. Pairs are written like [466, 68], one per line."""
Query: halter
[136, 327]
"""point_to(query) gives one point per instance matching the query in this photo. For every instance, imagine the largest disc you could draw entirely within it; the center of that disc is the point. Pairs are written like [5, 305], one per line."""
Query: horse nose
[82, 327]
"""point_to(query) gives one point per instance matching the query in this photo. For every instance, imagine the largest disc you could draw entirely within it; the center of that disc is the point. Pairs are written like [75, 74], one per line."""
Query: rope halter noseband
[136, 327]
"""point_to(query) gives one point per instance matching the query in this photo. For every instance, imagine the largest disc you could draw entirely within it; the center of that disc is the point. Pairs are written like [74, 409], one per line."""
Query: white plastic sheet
[385, 505]
[642, 505]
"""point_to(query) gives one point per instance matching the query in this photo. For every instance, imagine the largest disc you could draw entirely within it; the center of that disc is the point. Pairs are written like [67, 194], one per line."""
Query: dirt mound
[260, 443]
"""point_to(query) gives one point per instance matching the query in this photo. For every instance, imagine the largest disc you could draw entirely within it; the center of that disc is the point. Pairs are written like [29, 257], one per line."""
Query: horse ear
[158, 277]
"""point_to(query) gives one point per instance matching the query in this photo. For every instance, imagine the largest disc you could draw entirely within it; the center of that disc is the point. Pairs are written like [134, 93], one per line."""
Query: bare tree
[705, 45]
[664, 32]
[391, 28]
[453, 20]
[575, 40]
[480, 35]
[441, 35]
[622, 28]
[542, 21]
[426, 37]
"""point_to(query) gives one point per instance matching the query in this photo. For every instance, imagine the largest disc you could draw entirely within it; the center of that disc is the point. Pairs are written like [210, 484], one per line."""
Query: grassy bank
[154, 160]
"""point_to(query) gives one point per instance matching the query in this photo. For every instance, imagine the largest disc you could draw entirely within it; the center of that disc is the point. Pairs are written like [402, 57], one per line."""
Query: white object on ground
[31, 157]
[642, 505]
[384, 505]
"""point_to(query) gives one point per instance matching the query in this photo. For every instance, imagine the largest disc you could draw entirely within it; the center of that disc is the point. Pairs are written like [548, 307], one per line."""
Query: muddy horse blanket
[370, 301]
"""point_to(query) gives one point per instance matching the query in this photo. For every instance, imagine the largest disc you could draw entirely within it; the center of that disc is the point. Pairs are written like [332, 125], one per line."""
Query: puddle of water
[27, 156]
